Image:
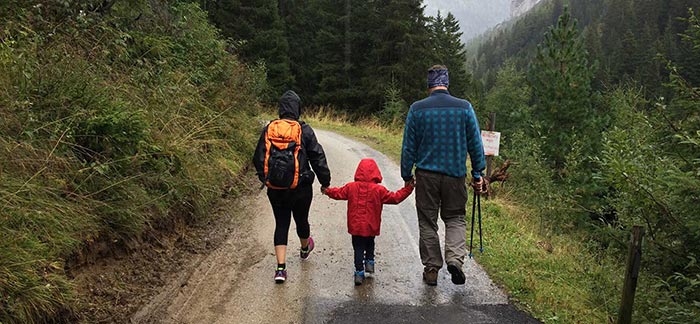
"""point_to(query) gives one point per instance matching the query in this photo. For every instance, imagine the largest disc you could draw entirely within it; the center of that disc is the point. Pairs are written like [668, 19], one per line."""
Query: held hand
[323, 190]
[481, 185]
[410, 183]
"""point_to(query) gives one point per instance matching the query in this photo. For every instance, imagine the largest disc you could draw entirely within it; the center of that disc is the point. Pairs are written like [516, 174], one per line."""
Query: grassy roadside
[372, 133]
[111, 129]
[553, 277]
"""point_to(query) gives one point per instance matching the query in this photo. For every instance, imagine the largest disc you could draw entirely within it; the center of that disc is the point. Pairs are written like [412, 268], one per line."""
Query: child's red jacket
[365, 198]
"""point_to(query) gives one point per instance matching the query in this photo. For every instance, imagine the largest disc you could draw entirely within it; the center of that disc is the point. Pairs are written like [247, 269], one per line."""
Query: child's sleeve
[394, 198]
[338, 193]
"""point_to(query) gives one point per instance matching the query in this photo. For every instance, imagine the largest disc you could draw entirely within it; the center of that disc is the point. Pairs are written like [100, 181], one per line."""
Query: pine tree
[330, 66]
[447, 49]
[303, 20]
[561, 78]
[259, 28]
[399, 55]
[510, 99]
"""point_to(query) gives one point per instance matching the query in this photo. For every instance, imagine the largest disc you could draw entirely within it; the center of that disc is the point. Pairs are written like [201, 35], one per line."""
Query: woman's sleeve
[259, 157]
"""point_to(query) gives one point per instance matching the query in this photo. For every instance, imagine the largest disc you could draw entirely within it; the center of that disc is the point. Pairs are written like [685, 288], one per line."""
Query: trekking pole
[471, 237]
[481, 243]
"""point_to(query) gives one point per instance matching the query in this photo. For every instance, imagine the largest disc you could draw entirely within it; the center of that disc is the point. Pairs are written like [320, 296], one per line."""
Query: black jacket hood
[290, 105]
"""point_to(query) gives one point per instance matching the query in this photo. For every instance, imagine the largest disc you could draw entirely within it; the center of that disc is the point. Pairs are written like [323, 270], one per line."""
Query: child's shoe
[359, 277]
[304, 253]
[369, 266]
[280, 275]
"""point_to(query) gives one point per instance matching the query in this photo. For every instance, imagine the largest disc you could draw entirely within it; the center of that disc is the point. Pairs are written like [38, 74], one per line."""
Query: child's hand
[410, 183]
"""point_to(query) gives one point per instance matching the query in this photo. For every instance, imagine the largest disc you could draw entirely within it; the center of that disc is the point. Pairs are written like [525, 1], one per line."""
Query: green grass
[568, 285]
[553, 277]
[109, 128]
[387, 140]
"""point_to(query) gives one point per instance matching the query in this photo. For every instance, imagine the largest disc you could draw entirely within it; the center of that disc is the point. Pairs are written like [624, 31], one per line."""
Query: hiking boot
[369, 266]
[304, 253]
[455, 270]
[359, 277]
[430, 276]
[280, 275]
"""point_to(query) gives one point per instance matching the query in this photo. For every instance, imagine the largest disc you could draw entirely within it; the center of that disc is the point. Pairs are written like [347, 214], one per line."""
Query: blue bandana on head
[437, 78]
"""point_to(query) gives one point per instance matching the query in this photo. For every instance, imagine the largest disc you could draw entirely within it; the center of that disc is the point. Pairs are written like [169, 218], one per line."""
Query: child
[365, 198]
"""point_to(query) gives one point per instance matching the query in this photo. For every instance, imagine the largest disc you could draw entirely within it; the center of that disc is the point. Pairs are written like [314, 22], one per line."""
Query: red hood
[368, 171]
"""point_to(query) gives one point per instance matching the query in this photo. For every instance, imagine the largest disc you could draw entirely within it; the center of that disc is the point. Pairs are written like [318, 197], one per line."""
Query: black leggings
[288, 203]
[364, 250]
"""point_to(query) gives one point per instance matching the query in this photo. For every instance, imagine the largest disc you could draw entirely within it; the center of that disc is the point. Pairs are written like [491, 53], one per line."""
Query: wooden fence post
[634, 258]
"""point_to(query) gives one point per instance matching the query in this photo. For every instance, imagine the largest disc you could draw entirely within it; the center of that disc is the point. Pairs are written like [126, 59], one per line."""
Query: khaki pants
[436, 192]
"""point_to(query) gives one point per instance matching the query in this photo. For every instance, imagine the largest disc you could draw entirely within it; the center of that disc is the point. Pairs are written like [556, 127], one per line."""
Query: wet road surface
[234, 284]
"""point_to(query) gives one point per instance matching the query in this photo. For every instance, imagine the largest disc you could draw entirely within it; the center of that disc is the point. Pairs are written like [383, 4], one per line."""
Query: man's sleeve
[409, 147]
[474, 144]
[317, 157]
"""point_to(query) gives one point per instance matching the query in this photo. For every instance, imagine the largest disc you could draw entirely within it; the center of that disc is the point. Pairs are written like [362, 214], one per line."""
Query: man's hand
[323, 190]
[480, 185]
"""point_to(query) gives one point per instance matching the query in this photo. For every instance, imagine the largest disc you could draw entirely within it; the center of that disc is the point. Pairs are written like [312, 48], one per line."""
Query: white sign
[492, 141]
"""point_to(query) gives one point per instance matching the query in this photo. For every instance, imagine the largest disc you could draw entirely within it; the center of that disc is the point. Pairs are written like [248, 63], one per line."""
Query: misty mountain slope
[474, 16]
[477, 16]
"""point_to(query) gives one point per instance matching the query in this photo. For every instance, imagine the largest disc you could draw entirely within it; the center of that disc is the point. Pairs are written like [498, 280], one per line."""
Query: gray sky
[475, 16]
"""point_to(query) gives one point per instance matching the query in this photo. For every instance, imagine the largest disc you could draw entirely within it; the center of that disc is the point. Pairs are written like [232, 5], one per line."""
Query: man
[295, 202]
[439, 132]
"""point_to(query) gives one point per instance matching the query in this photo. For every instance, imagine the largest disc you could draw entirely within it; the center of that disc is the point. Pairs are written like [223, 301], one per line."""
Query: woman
[293, 200]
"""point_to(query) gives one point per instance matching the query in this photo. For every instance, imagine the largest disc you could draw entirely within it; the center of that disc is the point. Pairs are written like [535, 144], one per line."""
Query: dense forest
[625, 37]
[599, 102]
[350, 54]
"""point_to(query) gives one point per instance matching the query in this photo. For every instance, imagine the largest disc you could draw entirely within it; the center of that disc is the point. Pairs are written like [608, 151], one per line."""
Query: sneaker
[455, 270]
[430, 276]
[280, 275]
[359, 277]
[369, 266]
[304, 253]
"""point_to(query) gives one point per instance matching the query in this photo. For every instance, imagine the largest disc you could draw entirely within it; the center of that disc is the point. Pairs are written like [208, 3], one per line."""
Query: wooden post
[634, 258]
[489, 159]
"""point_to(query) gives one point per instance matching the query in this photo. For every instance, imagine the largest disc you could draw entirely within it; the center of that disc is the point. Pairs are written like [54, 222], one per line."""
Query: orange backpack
[282, 145]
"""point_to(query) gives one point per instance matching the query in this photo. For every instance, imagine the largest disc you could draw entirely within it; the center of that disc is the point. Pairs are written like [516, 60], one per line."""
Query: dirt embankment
[115, 279]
